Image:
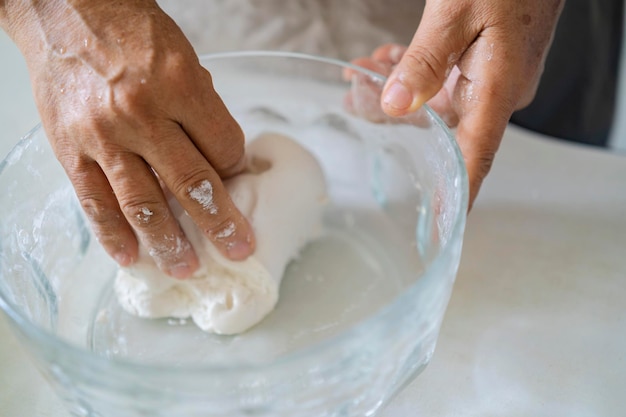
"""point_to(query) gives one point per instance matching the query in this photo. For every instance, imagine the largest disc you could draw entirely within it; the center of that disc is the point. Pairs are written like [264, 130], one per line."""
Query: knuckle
[426, 64]
[100, 213]
[182, 69]
[230, 155]
[128, 97]
[144, 214]
[176, 60]
[222, 229]
[75, 165]
[107, 224]
[194, 184]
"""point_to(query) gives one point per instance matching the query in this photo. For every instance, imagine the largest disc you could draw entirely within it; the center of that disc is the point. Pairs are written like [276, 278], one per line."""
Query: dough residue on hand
[282, 194]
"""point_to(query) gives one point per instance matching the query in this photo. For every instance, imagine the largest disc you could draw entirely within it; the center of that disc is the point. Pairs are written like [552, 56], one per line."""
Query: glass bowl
[360, 308]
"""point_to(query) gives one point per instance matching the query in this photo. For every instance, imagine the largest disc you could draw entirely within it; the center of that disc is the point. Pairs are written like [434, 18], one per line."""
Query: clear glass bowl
[360, 309]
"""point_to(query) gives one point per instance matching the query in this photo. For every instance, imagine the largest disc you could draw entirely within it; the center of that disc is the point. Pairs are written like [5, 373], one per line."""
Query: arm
[127, 106]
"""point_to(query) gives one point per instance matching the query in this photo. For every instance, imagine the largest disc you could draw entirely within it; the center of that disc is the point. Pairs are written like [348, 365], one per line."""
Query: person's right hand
[126, 105]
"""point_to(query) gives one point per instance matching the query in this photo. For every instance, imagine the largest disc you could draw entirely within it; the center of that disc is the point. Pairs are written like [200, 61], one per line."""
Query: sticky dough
[282, 196]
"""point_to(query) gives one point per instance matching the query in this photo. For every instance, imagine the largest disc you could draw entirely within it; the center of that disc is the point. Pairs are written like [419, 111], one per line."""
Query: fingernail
[398, 97]
[181, 271]
[238, 251]
[185, 266]
[396, 53]
[122, 259]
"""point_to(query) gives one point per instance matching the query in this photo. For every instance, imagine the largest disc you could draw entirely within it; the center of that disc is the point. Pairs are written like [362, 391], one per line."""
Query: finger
[382, 60]
[442, 102]
[199, 189]
[484, 116]
[101, 208]
[531, 91]
[214, 131]
[438, 43]
[379, 67]
[390, 53]
[363, 99]
[144, 206]
[367, 63]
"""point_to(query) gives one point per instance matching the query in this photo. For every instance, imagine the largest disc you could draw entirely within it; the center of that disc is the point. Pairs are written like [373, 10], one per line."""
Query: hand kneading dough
[282, 195]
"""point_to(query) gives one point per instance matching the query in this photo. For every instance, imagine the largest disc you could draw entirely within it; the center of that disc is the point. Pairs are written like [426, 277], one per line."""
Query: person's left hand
[364, 99]
[474, 62]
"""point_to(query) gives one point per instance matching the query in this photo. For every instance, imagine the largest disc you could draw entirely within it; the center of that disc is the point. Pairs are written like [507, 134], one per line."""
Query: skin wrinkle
[159, 216]
[145, 215]
[227, 232]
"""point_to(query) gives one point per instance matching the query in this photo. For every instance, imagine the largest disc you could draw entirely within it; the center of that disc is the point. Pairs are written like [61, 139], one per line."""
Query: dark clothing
[577, 93]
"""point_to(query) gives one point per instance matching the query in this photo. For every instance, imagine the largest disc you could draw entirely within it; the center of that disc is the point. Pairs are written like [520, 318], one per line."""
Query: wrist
[91, 31]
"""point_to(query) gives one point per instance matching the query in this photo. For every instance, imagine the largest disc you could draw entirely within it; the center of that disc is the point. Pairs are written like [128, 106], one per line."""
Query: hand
[130, 111]
[488, 57]
[364, 98]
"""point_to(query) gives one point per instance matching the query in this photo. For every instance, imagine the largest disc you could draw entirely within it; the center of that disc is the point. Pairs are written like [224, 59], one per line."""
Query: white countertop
[537, 321]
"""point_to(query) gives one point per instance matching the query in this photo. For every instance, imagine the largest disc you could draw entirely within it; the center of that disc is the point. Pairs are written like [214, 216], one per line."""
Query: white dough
[284, 204]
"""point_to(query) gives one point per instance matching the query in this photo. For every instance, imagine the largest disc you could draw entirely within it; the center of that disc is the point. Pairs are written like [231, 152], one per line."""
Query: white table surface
[537, 321]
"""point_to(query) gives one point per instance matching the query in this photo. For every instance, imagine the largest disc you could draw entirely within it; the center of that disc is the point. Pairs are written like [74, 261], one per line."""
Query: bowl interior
[398, 197]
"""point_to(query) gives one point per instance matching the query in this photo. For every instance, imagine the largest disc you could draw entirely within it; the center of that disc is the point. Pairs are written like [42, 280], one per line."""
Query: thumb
[442, 37]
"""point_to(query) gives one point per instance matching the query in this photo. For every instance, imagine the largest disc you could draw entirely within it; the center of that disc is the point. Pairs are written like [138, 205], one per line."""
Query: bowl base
[337, 281]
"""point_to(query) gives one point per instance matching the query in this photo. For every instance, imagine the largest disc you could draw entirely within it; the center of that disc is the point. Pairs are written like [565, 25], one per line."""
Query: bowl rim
[46, 339]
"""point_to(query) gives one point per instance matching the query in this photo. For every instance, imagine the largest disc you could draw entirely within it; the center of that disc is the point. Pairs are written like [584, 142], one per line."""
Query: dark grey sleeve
[577, 93]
